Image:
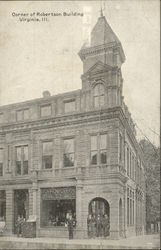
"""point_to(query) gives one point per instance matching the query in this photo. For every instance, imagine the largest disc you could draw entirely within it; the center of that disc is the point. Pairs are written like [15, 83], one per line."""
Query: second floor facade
[92, 145]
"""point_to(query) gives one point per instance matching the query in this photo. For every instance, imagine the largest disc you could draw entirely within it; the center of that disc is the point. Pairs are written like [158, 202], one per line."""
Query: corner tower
[102, 62]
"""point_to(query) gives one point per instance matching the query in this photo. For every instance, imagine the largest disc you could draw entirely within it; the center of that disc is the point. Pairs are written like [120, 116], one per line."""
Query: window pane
[94, 157]
[69, 145]
[25, 153]
[26, 114]
[103, 156]
[127, 211]
[18, 167]
[1, 154]
[102, 100]
[69, 160]
[1, 169]
[47, 148]
[46, 110]
[20, 115]
[96, 101]
[94, 142]
[103, 141]
[18, 153]
[96, 90]
[69, 106]
[47, 162]
[128, 161]
[25, 167]
[101, 89]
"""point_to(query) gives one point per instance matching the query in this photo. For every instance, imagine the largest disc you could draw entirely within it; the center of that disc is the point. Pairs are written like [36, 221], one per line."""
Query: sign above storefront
[60, 193]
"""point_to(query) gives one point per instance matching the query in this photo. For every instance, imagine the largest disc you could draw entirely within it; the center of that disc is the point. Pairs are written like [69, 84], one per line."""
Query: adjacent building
[75, 152]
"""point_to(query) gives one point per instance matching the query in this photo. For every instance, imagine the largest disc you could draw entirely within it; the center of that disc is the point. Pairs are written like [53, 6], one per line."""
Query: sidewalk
[139, 242]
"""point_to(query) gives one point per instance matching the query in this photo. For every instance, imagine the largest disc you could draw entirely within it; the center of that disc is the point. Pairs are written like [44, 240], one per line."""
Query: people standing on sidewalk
[105, 225]
[70, 224]
[98, 226]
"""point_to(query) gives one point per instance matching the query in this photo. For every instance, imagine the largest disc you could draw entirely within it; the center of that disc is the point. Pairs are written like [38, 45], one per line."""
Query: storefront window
[55, 212]
[56, 204]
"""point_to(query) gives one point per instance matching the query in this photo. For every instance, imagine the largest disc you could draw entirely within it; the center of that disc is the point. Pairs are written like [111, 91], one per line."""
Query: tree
[152, 171]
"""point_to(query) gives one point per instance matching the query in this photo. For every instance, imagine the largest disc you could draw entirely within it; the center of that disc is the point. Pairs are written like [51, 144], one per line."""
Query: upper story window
[121, 147]
[69, 152]
[1, 117]
[45, 110]
[130, 207]
[99, 149]
[99, 96]
[1, 161]
[69, 106]
[47, 154]
[22, 114]
[21, 160]
[128, 161]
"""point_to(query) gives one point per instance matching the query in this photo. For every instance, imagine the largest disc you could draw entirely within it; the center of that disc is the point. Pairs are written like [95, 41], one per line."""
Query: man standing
[106, 225]
[99, 226]
[70, 223]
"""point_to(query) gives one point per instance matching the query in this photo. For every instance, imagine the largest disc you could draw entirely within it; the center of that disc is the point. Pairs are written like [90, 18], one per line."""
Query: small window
[26, 114]
[47, 156]
[19, 115]
[69, 106]
[22, 114]
[1, 161]
[99, 95]
[68, 152]
[45, 110]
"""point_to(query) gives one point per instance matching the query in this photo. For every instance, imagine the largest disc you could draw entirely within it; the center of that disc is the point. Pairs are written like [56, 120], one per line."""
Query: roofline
[37, 100]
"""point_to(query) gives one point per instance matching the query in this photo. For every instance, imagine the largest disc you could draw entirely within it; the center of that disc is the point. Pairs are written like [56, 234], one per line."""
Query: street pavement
[137, 242]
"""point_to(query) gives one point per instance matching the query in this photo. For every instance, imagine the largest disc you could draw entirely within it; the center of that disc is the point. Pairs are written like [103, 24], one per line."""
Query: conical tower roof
[102, 33]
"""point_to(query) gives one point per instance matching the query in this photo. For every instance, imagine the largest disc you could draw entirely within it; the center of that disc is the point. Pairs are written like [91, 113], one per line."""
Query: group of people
[98, 226]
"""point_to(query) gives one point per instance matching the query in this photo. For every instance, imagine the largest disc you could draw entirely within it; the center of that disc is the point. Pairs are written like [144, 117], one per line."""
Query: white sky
[44, 56]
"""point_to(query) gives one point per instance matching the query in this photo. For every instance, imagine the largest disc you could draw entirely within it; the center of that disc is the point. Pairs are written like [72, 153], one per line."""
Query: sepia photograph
[80, 124]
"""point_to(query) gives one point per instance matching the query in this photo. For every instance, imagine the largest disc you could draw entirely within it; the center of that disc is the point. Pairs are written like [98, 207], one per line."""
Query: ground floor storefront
[51, 204]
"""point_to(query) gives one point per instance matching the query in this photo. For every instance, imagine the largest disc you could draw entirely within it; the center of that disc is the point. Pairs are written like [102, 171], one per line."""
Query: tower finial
[101, 12]
[102, 9]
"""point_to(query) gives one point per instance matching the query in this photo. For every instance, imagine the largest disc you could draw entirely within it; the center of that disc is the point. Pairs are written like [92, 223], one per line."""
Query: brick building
[75, 151]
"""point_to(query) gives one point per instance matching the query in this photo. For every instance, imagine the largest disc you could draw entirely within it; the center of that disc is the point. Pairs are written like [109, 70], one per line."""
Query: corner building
[75, 152]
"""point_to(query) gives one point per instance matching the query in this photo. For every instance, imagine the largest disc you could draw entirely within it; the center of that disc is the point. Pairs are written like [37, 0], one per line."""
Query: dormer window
[45, 110]
[99, 96]
[69, 106]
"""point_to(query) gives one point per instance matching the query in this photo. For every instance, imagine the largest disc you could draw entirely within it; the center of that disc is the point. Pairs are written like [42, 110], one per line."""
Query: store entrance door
[21, 205]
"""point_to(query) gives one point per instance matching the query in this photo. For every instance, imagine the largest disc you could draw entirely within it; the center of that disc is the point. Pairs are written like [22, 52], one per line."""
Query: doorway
[21, 205]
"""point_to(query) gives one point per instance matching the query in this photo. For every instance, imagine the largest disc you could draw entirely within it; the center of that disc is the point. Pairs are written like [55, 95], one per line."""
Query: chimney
[46, 94]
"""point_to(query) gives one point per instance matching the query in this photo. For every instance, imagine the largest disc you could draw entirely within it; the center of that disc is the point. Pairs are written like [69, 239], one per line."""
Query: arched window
[99, 97]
